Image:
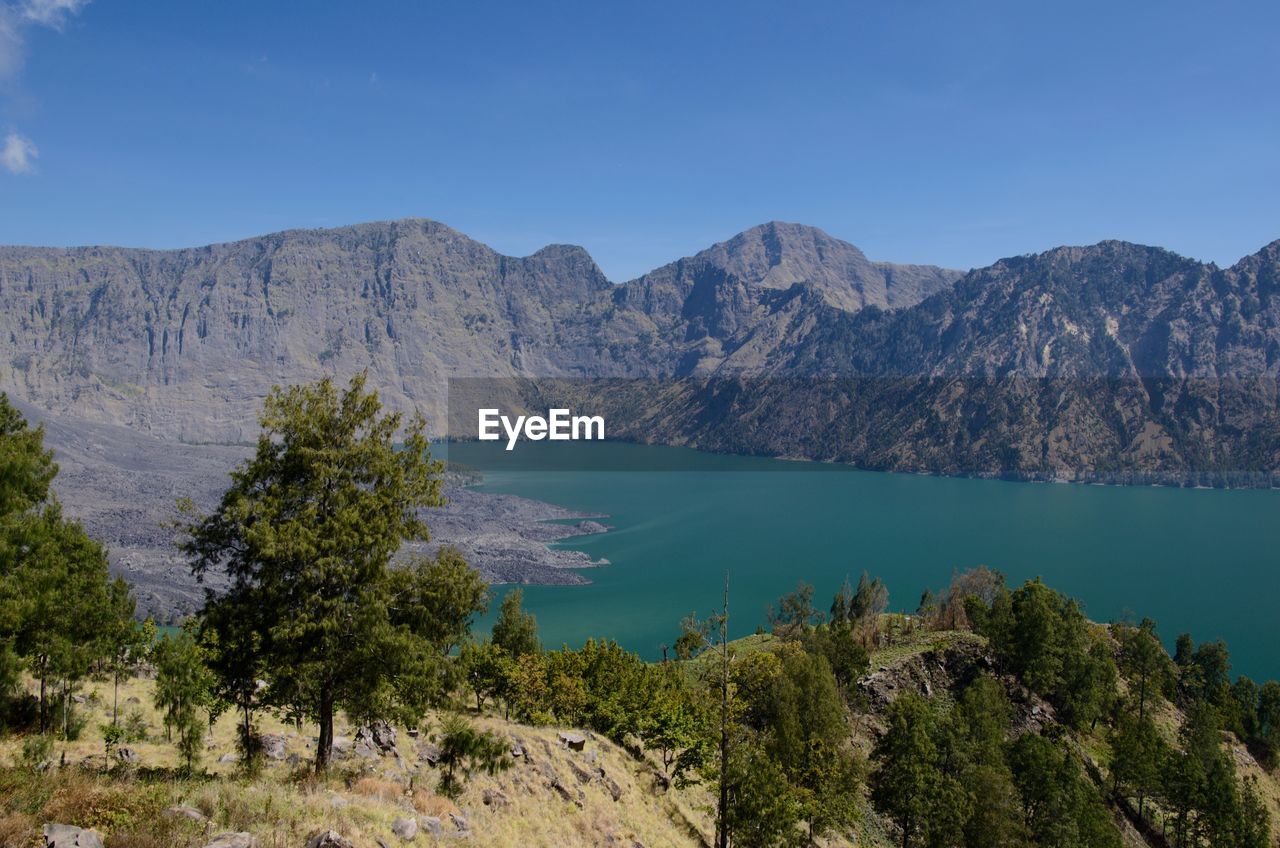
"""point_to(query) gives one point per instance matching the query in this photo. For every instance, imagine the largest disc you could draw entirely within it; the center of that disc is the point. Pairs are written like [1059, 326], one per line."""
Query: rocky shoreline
[124, 487]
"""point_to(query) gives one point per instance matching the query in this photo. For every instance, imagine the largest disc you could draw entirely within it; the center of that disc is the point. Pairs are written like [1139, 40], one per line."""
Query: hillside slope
[550, 795]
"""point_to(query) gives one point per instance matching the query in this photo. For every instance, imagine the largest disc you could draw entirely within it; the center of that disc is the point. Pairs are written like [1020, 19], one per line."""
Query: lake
[1196, 560]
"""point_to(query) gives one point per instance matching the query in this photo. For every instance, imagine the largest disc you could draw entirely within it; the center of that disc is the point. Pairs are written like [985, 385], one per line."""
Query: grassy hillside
[551, 795]
[361, 798]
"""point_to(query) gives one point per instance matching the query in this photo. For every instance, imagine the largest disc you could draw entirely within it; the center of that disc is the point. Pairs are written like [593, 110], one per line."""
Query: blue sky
[951, 133]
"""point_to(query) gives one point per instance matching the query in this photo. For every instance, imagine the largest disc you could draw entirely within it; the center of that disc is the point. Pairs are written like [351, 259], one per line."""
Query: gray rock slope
[184, 344]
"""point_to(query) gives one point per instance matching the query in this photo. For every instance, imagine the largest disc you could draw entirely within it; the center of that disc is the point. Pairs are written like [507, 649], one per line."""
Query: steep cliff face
[183, 344]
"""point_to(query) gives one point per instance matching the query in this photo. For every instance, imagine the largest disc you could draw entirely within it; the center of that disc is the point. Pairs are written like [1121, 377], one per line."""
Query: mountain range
[1113, 361]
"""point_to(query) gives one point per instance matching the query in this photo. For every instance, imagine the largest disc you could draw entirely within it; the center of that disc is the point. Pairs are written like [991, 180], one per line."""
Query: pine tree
[907, 781]
[184, 693]
[306, 532]
[516, 631]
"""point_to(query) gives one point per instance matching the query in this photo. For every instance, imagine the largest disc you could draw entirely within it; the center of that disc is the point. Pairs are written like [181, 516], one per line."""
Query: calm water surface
[1201, 561]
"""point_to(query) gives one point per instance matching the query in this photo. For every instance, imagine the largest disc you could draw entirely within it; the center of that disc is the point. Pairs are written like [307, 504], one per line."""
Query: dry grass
[359, 798]
[430, 804]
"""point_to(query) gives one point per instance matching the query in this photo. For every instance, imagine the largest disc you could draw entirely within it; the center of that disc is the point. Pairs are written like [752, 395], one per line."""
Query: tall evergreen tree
[908, 786]
[306, 531]
[516, 631]
[60, 612]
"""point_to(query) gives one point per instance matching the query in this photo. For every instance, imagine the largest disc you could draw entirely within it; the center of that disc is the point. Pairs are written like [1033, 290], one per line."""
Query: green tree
[125, 640]
[516, 631]
[1062, 808]
[907, 784]
[1210, 672]
[695, 636]
[26, 468]
[972, 751]
[59, 612]
[486, 669]
[438, 597]
[846, 656]
[679, 726]
[1253, 828]
[183, 693]
[763, 810]
[60, 604]
[231, 634]
[1043, 638]
[869, 600]
[1138, 755]
[463, 746]
[842, 603]
[795, 614]
[528, 692]
[306, 531]
[1143, 660]
[1267, 721]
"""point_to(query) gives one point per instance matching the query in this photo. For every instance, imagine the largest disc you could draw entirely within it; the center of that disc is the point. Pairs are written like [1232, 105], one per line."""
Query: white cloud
[18, 154]
[51, 13]
[17, 18]
[10, 43]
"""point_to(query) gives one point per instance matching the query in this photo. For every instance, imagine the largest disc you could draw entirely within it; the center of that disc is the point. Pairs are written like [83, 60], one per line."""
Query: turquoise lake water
[1201, 561]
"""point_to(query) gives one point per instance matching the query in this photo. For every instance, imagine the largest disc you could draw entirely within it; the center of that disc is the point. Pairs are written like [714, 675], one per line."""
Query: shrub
[36, 750]
[135, 726]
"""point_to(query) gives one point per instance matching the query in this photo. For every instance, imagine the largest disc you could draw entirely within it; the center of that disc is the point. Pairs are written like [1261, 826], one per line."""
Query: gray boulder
[67, 836]
[405, 827]
[432, 826]
[273, 747]
[429, 752]
[572, 741]
[329, 839]
[375, 739]
[384, 736]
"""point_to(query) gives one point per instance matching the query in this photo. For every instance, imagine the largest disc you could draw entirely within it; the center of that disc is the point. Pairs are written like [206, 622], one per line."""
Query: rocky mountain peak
[778, 255]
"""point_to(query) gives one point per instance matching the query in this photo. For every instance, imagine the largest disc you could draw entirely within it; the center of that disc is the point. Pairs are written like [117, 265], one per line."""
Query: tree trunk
[722, 811]
[324, 747]
[44, 718]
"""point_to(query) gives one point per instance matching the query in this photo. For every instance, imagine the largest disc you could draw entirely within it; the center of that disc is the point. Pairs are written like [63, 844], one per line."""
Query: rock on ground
[67, 836]
[329, 839]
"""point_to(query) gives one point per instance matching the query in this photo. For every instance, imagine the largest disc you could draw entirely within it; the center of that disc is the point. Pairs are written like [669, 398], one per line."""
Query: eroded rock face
[184, 344]
[947, 669]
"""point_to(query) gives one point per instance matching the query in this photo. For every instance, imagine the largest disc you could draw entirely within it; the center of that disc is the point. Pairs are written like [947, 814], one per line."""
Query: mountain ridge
[183, 344]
